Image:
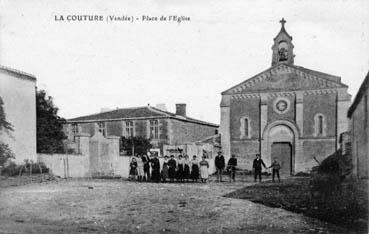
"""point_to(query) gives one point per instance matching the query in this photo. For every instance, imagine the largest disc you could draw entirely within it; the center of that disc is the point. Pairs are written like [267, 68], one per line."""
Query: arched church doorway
[281, 139]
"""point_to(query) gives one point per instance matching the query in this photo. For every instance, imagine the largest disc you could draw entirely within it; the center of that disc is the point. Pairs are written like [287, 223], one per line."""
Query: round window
[281, 105]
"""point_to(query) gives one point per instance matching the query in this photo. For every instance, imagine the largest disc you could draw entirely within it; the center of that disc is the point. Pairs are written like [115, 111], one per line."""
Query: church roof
[145, 112]
[286, 77]
[362, 90]
[18, 73]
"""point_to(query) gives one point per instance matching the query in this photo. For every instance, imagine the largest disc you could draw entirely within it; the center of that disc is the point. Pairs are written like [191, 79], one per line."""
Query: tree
[5, 152]
[50, 133]
[4, 125]
[139, 145]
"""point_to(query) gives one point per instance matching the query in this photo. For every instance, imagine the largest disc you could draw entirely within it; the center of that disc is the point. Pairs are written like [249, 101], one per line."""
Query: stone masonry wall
[181, 132]
[360, 138]
[320, 149]
[324, 104]
[245, 107]
[245, 151]
[289, 115]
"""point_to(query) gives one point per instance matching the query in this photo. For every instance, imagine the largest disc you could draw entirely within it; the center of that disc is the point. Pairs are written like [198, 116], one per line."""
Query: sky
[89, 65]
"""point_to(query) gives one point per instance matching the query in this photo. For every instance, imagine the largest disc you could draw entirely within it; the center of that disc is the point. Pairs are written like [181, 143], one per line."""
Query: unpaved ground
[114, 206]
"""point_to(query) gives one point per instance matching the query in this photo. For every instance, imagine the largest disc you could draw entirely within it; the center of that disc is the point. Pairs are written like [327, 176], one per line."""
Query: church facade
[286, 112]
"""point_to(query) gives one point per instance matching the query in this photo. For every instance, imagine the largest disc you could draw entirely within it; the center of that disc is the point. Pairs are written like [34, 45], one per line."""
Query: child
[194, 169]
[133, 168]
[231, 168]
[204, 167]
[276, 166]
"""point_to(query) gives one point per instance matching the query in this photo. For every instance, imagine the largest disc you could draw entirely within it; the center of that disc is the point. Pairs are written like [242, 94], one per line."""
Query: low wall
[122, 166]
[66, 165]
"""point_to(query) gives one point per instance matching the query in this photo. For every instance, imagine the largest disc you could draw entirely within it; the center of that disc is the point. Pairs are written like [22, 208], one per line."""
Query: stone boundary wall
[97, 156]
[66, 165]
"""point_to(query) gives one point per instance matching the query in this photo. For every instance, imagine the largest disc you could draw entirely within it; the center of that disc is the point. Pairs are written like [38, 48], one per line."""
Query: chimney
[181, 109]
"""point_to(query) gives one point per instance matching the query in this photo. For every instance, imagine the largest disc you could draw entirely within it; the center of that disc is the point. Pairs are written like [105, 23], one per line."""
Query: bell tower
[282, 47]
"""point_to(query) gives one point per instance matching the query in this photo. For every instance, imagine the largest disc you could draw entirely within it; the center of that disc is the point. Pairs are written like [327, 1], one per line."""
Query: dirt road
[114, 206]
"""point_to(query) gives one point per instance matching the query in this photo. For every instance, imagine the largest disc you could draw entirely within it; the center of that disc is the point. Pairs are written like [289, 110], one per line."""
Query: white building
[18, 92]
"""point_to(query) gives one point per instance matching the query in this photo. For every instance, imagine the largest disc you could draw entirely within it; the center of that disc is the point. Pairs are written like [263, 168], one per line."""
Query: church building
[287, 112]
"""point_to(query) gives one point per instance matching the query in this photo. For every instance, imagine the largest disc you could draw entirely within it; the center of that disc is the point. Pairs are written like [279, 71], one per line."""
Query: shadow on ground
[343, 208]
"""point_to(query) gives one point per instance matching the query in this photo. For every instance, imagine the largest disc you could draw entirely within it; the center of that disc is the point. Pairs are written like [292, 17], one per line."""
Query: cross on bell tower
[282, 21]
[282, 47]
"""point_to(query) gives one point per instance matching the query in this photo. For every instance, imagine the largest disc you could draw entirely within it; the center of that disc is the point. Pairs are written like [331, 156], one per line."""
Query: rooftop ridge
[18, 72]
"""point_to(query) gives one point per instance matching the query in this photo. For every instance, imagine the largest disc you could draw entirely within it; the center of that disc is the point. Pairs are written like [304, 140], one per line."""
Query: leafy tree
[139, 145]
[50, 133]
[4, 125]
[5, 152]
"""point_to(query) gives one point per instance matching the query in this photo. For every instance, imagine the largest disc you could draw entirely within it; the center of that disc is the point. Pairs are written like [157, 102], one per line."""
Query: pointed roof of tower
[283, 29]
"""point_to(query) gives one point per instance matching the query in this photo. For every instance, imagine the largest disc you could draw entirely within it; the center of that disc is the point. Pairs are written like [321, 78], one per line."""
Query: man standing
[257, 167]
[219, 165]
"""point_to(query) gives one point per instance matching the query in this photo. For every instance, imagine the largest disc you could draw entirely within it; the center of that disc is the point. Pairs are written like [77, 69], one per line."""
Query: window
[75, 131]
[320, 127]
[245, 128]
[102, 128]
[129, 129]
[154, 129]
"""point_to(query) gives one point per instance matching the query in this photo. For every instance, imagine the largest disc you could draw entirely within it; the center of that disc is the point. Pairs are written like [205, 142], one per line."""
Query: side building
[359, 121]
[18, 94]
[161, 127]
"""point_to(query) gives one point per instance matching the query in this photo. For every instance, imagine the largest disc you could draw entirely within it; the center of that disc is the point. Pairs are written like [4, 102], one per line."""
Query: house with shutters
[160, 126]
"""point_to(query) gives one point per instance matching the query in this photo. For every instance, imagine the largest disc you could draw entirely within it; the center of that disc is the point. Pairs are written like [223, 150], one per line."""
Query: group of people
[181, 170]
[257, 167]
[144, 168]
[258, 162]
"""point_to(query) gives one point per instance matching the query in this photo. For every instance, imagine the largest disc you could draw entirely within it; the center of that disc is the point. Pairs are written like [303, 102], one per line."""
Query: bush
[37, 168]
[5, 154]
[12, 169]
[302, 174]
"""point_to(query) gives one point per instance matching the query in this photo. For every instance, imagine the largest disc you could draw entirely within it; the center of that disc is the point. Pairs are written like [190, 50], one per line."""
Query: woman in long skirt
[172, 168]
[155, 166]
[165, 170]
[204, 169]
[186, 170]
[140, 168]
[180, 170]
[194, 169]
[146, 161]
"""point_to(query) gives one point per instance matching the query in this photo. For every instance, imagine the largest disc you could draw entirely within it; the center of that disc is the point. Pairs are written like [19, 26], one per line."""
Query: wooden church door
[282, 151]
